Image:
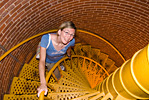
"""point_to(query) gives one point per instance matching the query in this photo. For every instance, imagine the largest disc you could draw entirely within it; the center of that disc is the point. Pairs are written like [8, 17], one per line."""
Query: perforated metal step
[21, 86]
[77, 49]
[34, 62]
[20, 97]
[66, 96]
[86, 50]
[29, 72]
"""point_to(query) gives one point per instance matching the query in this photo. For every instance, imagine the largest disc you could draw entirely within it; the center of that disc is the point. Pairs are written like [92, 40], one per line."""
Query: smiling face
[66, 35]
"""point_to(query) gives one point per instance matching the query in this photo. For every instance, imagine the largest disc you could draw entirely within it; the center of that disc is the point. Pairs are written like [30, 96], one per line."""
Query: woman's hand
[42, 87]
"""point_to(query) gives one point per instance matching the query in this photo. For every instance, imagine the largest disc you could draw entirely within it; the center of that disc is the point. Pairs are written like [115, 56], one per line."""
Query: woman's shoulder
[53, 36]
[45, 35]
[49, 34]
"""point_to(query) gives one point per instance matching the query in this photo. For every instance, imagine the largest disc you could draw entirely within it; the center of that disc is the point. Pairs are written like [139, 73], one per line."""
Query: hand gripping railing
[130, 81]
[41, 97]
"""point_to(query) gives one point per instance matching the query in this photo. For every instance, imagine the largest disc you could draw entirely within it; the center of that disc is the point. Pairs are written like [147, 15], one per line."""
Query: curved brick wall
[124, 23]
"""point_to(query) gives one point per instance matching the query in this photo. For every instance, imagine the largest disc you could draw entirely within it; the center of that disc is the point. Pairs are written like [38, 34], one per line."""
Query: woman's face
[67, 35]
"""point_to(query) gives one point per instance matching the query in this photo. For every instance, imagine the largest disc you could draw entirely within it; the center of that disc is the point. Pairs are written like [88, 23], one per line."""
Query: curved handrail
[104, 41]
[53, 68]
[41, 97]
[16, 46]
[54, 30]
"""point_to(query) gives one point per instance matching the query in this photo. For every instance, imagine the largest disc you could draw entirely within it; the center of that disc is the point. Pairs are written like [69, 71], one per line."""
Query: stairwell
[86, 77]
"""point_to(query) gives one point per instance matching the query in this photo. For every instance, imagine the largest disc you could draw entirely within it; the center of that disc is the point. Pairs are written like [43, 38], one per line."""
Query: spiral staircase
[88, 75]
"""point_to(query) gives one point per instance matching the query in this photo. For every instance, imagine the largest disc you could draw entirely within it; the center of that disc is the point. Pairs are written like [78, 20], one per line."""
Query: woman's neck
[58, 41]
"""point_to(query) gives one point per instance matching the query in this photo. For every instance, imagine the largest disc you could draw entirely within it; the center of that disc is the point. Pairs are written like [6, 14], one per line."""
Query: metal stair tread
[72, 77]
[77, 75]
[77, 49]
[86, 96]
[71, 88]
[86, 50]
[75, 72]
[22, 86]
[20, 97]
[68, 95]
[81, 76]
[34, 62]
[29, 72]
[65, 82]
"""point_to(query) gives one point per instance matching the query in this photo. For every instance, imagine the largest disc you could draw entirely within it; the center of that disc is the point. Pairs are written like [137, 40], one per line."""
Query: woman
[60, 43]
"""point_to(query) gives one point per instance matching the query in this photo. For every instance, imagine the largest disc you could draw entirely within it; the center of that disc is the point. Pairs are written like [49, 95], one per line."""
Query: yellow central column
[130, 81]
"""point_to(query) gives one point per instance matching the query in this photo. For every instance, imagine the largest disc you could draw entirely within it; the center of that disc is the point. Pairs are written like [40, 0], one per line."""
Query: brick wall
[124, 23]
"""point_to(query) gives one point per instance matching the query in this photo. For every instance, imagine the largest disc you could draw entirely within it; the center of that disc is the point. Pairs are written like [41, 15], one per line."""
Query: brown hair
[67, 24]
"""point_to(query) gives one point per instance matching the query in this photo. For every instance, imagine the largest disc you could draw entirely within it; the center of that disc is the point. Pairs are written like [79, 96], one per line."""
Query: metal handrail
[41, 97]
[104, 41]
[54, 30]
[16, 46]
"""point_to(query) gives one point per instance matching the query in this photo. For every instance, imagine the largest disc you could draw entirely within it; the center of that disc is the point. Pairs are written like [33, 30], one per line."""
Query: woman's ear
[59, 32]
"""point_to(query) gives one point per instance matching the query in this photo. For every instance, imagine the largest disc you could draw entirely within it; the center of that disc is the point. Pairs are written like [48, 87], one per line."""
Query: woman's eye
[66, 32]
[72, 35]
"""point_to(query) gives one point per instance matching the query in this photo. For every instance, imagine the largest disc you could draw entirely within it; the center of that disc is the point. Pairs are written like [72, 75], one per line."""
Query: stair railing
[72, 57]
[54, 30]
[21, 43]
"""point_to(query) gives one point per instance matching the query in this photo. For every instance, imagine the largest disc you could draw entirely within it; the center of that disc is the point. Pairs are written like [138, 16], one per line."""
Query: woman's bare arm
[43, 84]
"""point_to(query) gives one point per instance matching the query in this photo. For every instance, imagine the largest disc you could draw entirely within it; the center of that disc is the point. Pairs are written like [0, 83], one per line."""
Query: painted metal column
[131, 80]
